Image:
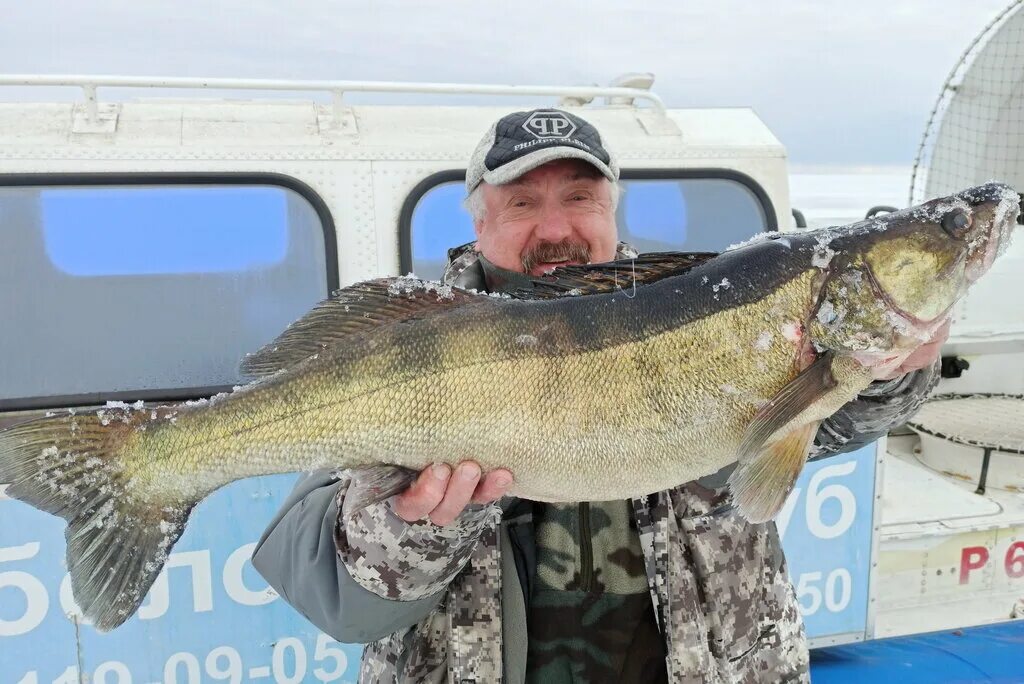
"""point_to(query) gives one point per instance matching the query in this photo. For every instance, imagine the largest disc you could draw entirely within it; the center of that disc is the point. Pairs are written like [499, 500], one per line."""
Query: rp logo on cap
[549, 125]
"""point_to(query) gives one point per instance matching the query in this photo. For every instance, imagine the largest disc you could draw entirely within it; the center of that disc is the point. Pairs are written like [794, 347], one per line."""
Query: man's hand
[441, 495]
[923, 356]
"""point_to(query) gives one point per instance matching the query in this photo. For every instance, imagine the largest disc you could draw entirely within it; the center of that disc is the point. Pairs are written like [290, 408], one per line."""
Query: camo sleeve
[881, 407]
[406, 561]
[298, 557]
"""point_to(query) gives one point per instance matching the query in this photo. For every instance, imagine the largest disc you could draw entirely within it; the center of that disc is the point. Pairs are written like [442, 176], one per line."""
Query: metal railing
[337, 89]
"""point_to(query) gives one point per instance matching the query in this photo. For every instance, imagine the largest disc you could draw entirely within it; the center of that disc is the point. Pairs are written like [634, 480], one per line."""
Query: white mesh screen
[976, 131]
[986, 421]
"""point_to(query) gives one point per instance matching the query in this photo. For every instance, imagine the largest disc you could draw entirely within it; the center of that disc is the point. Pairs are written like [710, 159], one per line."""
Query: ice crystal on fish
[759, 237]
[823, 253]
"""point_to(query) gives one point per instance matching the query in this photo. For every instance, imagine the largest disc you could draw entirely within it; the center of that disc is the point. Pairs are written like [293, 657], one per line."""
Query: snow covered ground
[838, 195]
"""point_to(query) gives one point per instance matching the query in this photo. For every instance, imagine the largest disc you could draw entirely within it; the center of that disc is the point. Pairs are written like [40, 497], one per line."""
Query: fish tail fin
[118, 538]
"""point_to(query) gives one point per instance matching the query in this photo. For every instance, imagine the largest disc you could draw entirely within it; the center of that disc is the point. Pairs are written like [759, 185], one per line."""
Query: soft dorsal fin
[611, 276]
[350, 310]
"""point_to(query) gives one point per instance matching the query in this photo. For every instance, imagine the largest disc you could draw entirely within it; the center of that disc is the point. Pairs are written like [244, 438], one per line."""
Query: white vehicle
[149, 244]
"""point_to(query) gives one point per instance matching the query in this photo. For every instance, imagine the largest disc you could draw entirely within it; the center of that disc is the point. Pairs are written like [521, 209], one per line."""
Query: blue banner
[209, 617]
[826, 529]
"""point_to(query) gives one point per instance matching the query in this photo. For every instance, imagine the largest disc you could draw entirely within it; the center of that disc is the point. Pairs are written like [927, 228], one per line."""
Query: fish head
[891, 281]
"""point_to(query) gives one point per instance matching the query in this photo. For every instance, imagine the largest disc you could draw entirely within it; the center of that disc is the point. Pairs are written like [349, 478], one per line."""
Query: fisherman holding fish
[451, 580]
[636, 424]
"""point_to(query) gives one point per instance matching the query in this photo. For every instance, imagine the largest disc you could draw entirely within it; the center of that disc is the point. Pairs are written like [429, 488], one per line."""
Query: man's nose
[554, 225]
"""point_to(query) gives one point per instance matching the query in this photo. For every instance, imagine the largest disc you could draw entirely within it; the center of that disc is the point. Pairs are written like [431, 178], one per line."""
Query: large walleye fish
[628, 390]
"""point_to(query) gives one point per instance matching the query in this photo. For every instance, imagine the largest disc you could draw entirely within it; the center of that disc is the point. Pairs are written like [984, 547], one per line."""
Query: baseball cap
[522, 141]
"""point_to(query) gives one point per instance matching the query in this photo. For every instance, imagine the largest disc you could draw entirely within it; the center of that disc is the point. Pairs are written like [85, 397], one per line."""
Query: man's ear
[478, 226]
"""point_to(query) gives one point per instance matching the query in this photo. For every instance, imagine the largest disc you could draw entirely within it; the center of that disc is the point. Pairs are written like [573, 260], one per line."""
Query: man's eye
[579, 198]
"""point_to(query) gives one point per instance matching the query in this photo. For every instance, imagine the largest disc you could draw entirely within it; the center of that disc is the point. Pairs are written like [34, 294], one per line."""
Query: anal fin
[374, 484]
[760, 485]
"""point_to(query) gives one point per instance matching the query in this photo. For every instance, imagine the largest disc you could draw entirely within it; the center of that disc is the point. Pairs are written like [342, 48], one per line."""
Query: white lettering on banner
[837, 594]
[223, 663]
[37, 601]
[233, 668]
[119, 670]
[805, 588]
[159, 599]
[786, 514]
[68, 676]
[191, 663]
[837, 599]
[234, 582]
[326, 647]
[298, 657]
[817, 496]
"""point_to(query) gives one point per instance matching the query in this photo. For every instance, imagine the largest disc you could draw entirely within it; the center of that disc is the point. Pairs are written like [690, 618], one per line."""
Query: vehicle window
[654, 214]
[112, 289]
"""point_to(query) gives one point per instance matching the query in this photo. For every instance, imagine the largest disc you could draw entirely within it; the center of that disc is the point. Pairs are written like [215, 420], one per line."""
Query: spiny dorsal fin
[622, 274]
[350, 310]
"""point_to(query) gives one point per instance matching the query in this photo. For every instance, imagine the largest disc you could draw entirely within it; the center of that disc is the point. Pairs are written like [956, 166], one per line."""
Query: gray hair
[474, 203]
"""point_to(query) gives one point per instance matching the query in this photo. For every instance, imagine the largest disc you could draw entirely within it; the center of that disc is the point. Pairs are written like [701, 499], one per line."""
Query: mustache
[566, 250]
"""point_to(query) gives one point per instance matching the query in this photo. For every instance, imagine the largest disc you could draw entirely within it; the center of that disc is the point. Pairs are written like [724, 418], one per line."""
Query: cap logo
[549, 125]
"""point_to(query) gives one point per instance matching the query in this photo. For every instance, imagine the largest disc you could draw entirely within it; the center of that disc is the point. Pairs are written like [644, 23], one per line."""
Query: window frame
[708, 173]
[172, 178]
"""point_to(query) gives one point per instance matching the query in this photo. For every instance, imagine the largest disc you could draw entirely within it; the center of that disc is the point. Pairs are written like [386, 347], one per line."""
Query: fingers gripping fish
[713, 359]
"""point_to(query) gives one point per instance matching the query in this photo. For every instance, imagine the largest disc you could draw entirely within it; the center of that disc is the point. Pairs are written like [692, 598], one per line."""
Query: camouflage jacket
[449, 604]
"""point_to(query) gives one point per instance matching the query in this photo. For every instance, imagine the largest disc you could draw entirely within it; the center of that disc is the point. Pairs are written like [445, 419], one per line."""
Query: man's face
[558, 214]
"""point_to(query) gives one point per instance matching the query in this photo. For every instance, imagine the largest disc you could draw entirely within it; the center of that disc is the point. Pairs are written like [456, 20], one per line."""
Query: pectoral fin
[760, 485]
[811, 385]
[765, 474]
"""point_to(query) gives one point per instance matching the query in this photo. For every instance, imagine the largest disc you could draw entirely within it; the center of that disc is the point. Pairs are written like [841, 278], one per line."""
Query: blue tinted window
[123, 289]
[688, 214]
[438, 223]
[654, 215]
[120, 231]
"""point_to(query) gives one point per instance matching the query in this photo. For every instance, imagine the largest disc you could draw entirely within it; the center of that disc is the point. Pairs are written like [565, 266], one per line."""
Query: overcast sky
[843, 83]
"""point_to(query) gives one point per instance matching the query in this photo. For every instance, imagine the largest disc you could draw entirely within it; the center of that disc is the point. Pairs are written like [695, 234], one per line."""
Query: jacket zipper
[586, 549]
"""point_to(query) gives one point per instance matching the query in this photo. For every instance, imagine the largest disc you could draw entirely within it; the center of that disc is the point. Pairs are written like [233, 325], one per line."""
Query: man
[446, 585]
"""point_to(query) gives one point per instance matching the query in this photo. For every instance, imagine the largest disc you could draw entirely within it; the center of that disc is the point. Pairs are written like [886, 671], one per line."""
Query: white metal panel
[914, 494]
[365, 168]
[947, 556]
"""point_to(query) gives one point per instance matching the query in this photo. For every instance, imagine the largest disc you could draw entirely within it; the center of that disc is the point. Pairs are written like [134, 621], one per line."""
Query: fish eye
[956, 223]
